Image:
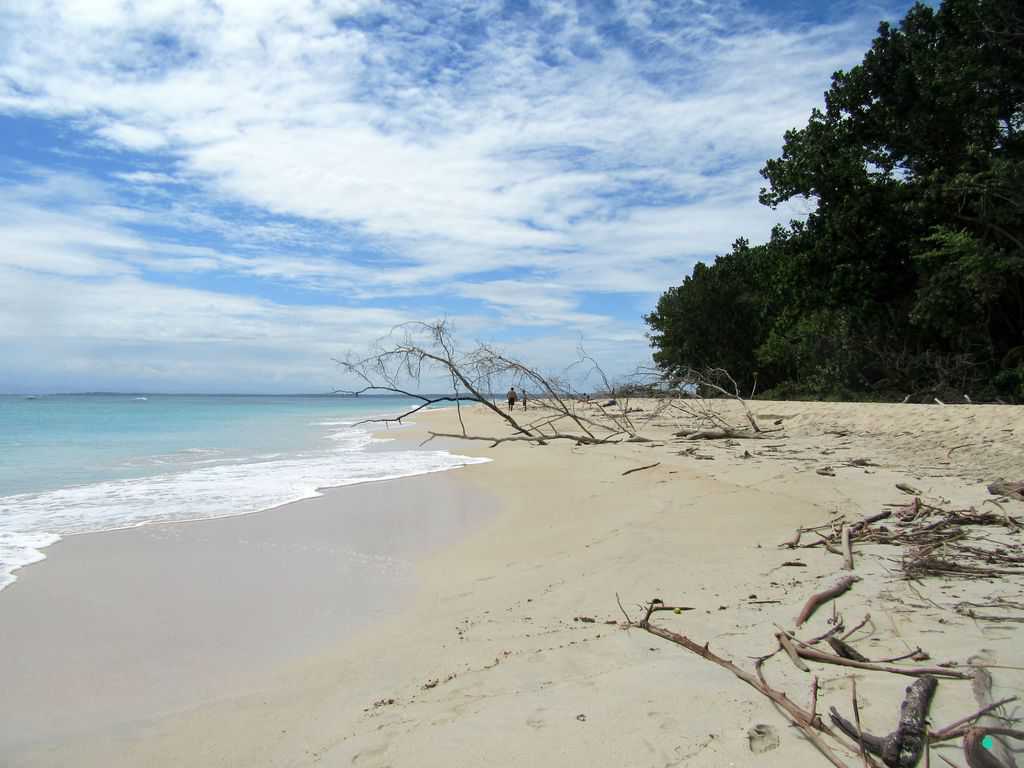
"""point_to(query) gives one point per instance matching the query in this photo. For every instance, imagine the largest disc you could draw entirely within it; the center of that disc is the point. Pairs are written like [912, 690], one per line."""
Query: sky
[201, 196]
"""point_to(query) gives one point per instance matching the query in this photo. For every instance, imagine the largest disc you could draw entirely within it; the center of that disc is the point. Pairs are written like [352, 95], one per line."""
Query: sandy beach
[470, 617]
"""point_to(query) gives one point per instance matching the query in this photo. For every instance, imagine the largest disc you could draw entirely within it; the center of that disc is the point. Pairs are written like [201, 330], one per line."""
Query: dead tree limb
[721, 434]
[790, 649]
[813, 654]
[903, 747]
[957, 729]
[978, 756]
[415, 354]
[820, 598]
[801, 718]
[846, 650]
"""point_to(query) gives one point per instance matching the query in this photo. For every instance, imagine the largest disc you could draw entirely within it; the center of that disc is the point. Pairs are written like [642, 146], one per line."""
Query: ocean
[85, 463]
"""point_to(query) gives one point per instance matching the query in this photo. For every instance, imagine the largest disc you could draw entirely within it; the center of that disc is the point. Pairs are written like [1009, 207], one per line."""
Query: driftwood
[903, 747]
[964, 724]
[639, 469]
[1005, 488]
[412, 352]
[721, 434]
[813, 654]
[846, 650]
[810, 725]
[790, 649]
[976, 753]
[847, 549]
[937, 541]
[818, 599]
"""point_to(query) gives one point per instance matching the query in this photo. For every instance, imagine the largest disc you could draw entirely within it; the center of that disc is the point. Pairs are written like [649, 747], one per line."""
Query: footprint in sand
[762, 738]
[369, 754]
[535, 720]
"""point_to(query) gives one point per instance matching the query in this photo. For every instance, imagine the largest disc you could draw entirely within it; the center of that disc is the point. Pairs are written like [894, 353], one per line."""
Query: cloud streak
[524, 157]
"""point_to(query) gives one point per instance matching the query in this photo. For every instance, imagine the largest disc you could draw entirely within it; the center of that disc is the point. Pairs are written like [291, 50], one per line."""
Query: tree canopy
[908, 276]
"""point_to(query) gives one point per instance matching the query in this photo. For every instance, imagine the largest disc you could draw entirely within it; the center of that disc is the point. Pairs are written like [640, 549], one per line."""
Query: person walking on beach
[511, 398]
[524, 399]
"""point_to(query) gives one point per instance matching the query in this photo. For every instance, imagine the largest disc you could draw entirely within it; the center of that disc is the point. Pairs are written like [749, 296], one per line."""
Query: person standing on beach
[511, 398]
[524, 399]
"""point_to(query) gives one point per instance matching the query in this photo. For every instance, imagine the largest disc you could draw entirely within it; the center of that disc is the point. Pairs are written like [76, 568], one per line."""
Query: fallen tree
[418, 353]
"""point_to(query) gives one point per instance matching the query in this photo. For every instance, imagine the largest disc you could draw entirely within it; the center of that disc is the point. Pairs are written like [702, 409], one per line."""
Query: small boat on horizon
[140, 398]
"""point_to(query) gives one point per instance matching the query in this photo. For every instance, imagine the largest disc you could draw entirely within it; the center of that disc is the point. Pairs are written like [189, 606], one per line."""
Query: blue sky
[224, 196]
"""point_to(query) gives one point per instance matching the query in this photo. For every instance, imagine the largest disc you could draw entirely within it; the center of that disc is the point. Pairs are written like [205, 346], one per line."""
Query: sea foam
[30, 522]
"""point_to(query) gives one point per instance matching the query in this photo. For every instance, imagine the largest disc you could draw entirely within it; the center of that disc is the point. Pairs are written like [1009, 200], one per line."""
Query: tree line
[908, 276]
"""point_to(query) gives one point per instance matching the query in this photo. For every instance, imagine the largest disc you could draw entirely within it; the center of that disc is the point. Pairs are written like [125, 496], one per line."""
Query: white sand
[522, 683]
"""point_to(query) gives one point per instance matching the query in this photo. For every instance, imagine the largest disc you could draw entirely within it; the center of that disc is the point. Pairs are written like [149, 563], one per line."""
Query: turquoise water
[82, 463]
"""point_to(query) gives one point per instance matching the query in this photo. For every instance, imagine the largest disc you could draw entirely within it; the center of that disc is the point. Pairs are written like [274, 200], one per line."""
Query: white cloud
[147, 177]
[451, 143]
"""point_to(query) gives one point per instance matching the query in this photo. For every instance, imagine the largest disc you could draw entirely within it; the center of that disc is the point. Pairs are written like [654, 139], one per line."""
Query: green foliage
[707, 321]
[909, 275]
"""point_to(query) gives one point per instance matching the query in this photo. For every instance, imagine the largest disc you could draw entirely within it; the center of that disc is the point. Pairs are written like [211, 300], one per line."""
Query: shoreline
[71, 620]
[488, 664]
[50, 538]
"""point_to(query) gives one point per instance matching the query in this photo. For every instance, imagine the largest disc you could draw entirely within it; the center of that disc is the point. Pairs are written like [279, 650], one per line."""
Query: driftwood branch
[903, 747]
[847, 549]
[790, 649]
[978, 756]
[818, 599]
[813, 654]
[640, 469]
[809, 724]
[846, 650]
[957, 729]
[414, 355]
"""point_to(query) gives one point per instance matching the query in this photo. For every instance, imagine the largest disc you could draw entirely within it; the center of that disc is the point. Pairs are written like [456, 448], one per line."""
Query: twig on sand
[640, 469]
[847, 549]
[856, 718]
[790, 649]
[829, 658]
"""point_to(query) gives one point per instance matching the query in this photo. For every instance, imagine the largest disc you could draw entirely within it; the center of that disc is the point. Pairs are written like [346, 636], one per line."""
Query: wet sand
[115, 629]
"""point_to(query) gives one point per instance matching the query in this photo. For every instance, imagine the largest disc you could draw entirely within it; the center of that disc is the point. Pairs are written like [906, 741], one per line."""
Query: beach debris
[414, 351]
[936, 541]
[640, 469]
[846, 650]
[581, 717]
[908, 489]
[826, 471]
[809, 723]
[722, 434]
[903, 747]
[820, 598]
[1008, 489]
[787, 645]
[585, 619]
[383, 703]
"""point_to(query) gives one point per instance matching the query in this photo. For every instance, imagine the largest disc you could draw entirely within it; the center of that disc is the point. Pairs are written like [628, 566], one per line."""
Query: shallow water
[85, 463]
